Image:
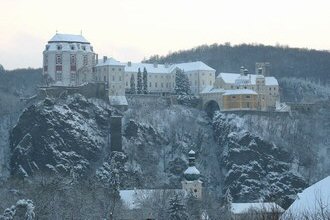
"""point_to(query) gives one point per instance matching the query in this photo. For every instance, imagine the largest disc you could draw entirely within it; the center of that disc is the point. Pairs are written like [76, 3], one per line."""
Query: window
[113, 78]
[149, 84]
[73, 77]
[119, 78]
[59, 47]
[155, 85]
[270, 88]
[58, 76]
[72, 47]
[119, 69]
[104, 78]
[72, 62]
[113, 69]
[232, 87]
[247, 97]
[58, 59]
[274, 88]
[237, 87]
[233, 97]
[161, 84]
[245, 87]
[92, 49]
[85, 60]
[83, 47]
[47, 47]
[126, 84]
[210, 74]
[211, 82]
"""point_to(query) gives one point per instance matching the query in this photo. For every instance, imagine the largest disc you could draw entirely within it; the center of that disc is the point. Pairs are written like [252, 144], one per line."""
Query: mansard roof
[68, 38]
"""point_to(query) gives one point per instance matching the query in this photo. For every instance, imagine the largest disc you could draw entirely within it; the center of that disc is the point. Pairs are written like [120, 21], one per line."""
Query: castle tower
[192, 184]
[68, 60]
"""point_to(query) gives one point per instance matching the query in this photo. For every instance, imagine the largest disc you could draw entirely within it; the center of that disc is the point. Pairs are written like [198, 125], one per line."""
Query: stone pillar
[115, 133]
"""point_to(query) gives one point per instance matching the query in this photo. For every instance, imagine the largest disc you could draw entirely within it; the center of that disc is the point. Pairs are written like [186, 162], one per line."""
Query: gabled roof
[231, 78]
[242, 208]
[159, 68]
[191, 66]
[240, 92]
[110, 62]
[311, 200]
[72, 38]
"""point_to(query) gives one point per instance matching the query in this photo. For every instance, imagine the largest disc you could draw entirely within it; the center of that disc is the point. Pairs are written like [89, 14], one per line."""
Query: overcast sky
[134, 29]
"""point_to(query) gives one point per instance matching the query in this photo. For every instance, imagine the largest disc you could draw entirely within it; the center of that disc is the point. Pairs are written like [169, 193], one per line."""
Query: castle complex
[69, 60]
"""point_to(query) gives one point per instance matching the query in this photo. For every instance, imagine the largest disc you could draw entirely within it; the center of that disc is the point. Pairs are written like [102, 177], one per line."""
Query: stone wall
[89, 90]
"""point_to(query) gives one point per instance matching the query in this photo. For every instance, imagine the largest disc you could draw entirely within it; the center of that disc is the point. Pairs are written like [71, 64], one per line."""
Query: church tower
[192, 184]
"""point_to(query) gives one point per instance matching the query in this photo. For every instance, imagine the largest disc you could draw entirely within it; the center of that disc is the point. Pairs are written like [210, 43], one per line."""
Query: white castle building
[69, 60]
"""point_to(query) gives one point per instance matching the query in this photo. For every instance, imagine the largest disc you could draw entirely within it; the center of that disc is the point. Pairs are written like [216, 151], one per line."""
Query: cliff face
[69, 136]
[65, 136]
[255, 169]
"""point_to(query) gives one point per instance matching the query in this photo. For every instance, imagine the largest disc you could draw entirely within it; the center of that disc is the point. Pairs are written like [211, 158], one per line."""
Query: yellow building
[240, 99]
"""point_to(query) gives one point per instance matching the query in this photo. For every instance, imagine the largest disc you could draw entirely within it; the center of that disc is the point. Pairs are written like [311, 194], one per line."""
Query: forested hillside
[285, 62]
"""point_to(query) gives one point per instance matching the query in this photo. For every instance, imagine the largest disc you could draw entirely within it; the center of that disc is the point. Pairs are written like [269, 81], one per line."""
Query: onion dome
[191, 173]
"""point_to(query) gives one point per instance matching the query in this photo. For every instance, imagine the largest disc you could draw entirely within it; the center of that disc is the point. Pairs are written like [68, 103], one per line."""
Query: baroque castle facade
[69, 60]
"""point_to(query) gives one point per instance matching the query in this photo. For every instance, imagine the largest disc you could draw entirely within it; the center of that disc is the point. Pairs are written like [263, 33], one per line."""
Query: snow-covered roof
[232, 78]
[192, 170]
[191, 66]
[109, 62]
[241, 208]
[132, 198]
[311, 200]
[68, 38]
[118, 100]
[191, 152]
[240, 92]
[165, 68]
[211, 89]
[151, 68]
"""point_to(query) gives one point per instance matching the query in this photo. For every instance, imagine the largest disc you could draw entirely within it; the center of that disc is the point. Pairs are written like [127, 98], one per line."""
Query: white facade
[69, 60]
[160, 77]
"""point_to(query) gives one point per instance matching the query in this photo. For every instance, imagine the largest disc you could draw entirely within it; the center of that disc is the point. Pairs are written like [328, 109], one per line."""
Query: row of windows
[245, 87]
[58, 60]
[72, 47]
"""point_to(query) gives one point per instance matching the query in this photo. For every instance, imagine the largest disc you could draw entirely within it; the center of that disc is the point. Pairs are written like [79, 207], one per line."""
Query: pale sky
[130, 30]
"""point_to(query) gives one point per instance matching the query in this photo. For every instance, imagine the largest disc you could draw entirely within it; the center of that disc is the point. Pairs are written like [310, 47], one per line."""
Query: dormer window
[83, 47]
[59, 47]
[72, 47]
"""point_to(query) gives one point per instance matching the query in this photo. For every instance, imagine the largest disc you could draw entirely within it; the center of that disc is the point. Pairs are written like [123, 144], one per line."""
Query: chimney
[105, 58]
[155, 65]
[129, 63]
[115, 133]
[246, 72]
[242, 70]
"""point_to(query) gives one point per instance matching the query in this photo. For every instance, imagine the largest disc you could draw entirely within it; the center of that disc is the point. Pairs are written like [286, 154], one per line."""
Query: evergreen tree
[228, 199]
[139, 82]
[145, 81]
[132, 84]
[182, 85]
[177, 210]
